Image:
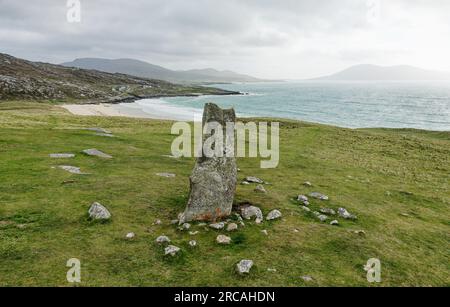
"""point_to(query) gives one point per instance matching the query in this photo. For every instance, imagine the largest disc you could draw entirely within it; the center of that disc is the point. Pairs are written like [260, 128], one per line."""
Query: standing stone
[213, 180]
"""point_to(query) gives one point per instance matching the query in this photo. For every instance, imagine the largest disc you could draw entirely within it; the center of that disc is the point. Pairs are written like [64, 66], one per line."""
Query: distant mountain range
[25, 80]
[146, 70]
[387, 73]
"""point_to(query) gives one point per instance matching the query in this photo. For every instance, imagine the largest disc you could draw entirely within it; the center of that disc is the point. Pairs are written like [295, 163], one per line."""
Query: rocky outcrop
[213, 180]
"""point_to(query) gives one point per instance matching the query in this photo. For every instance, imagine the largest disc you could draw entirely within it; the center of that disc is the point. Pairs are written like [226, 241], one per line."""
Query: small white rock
[273, 215]
[193, 243]
[265, 232]
[232, 227]
[217, 226]
[130, 235]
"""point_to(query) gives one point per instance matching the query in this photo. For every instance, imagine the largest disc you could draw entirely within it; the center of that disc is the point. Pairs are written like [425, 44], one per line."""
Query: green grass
[378, 174]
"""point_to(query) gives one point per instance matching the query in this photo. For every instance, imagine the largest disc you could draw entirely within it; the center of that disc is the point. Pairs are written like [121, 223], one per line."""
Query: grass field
[395, 181]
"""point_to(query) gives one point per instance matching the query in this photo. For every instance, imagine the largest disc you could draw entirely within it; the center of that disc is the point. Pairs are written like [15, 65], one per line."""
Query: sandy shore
[97, 110]
[153, 109]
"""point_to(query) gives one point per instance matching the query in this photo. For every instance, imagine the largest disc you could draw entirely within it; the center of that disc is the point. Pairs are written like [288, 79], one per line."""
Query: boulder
[213, 180]
[99, 212]
[244, 266]
[273, 215]
[248, 212]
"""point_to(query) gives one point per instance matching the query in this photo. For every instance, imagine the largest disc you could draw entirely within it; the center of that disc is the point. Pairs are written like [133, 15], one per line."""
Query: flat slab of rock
[222, 239]
[99, 212]
[105, 135]
[273, 215]
[99, 130]
[62, 155]
[166, 175]
[171, 250]
[71, 169]
[318, 195]
[249, 212]
[213, 180]
[244, 266]
[96, 153]
[254, 180]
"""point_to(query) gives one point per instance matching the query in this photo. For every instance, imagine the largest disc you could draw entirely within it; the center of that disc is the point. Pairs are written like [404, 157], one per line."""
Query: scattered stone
[166, 175]
[296, 230]
[334, 223]
[162, 239]
[307, 278]
[130, 235]
[302, 198]
[217, 226]
[105, 135]
[185, 226]
[306, 209]
[71, 169]
[222, 239]
[99, 212]
[307, 184]
[318, 195]
[260, 189]
[193, 233]
[346, 215]
[62, 155]
[171, 250]
[405, 214]
[99, 130]
[232, 227]
[272, 270]
[245, 183]
[244, 266]
[361, 233]
[157, 222]
[213, 180]
[273, 215]
[96, 153]
[265, 232]
[328, 211]
[193, 243]
[254, 180]
[322, 217]
[248, 212]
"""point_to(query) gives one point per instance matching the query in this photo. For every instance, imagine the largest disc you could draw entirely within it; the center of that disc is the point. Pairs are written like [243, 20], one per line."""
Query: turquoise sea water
[423, 105]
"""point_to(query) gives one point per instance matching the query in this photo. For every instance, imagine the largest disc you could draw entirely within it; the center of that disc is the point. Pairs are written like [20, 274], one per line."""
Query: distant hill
[26, 80]
[387, 73]
[147, 70]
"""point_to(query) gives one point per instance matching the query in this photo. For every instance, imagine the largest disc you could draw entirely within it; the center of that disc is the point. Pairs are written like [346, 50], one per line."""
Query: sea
[421, 105]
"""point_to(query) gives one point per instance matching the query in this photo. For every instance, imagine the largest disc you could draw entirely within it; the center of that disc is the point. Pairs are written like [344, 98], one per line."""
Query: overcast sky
[265, 38]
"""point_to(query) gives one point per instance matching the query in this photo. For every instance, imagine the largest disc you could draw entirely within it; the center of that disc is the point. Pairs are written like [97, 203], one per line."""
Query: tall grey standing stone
[213, 180]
